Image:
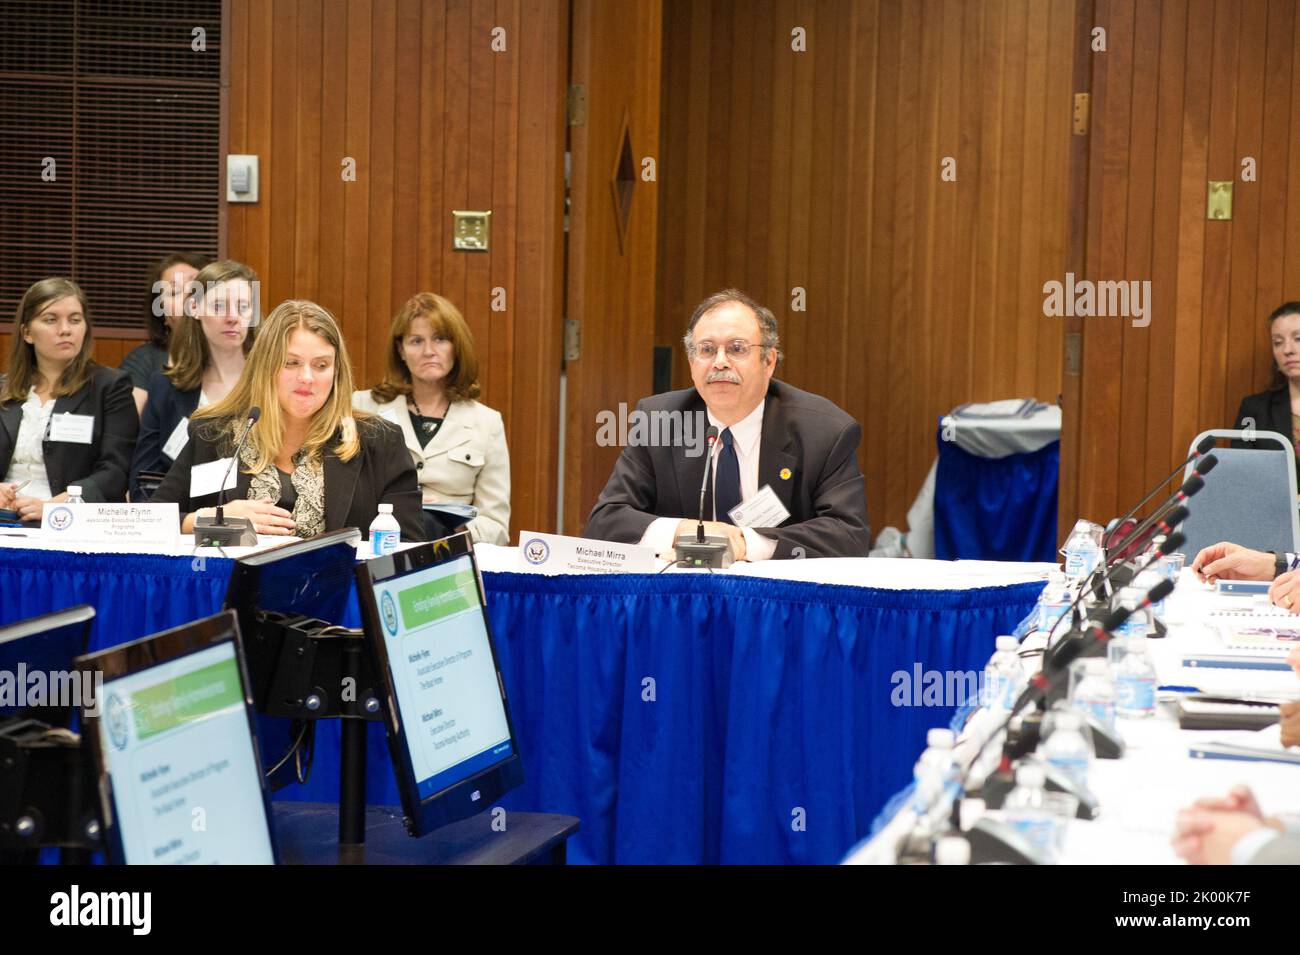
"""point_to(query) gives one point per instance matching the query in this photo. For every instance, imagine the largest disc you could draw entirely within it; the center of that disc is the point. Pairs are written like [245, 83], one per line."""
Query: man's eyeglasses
[707, 351]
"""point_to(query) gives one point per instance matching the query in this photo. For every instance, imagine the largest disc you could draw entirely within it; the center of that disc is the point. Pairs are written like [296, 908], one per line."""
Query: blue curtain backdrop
[996, 508]
[683, 718]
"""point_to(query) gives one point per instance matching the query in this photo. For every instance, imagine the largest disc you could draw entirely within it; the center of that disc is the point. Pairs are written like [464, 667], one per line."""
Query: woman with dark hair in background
[168, 278]
[1278, 408]
[208, 347]
[51, 374]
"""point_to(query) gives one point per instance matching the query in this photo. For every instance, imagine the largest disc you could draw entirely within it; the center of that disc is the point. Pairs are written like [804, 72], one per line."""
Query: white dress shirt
[28, 462]
[746, 435]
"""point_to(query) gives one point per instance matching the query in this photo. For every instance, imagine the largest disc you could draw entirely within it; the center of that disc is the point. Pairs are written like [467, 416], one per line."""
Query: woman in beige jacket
[459, 445]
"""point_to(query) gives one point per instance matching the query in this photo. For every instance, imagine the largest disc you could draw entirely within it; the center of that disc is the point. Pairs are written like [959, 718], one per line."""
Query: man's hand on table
[1225, 561]
[1205, 833]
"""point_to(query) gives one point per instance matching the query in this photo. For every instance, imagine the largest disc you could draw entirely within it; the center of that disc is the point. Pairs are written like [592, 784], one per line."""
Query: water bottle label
[1074, 563]
[1037, 826]
[384, 542]
[1076, 767]
[1104, 713]
[1050, 615]
[1136, 694]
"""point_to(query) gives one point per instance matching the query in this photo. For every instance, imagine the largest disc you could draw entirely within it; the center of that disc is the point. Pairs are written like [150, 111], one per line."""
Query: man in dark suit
[772, 435]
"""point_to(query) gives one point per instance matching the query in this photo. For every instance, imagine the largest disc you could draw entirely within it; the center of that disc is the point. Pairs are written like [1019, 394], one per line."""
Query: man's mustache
[722, 376]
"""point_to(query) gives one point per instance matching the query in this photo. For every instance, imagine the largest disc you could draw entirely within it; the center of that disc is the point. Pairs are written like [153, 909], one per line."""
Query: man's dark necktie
[727, 488]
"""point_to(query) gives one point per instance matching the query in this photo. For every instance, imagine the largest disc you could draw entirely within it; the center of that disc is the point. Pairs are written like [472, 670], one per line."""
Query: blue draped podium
[684, 718]
[996, 508]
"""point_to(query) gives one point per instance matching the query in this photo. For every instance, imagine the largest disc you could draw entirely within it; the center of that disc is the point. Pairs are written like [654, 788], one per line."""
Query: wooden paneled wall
[435, 119]
[821, 171]
[1186, 90]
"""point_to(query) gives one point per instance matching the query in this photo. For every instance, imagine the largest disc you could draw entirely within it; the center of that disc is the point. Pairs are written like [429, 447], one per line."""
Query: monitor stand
[307, 835]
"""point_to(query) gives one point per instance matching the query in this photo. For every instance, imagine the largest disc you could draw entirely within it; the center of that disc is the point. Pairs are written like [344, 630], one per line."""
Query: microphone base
[714, 552]
[999, 785]
[231, 532]
[992, 841]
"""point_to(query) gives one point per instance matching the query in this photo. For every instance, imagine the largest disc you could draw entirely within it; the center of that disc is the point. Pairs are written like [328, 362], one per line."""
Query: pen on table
[19, 487]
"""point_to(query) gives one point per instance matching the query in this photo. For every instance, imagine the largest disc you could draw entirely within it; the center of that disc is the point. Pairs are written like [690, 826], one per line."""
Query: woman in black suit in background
[310, 464]
[209, 346]
[64, 420]
[1278, 408]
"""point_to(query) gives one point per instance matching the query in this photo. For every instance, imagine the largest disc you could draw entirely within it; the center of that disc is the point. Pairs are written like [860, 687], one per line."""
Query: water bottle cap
[1030, 775]
[385, 508]
[970, 811]
[1008, 643]
[74, 490]
[952, 850]
[940, 738]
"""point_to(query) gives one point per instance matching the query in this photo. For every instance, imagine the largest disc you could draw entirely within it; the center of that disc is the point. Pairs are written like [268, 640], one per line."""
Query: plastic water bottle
[1082, 551]
[952, 850]
[1143, 583]
[74, 495]
[1095, 693]
[1053, 602]
[1004, 676]
[1067, 749]
[1026, 809]
[1135, 681]
[385, 533]
[1137, 622]
[936, 775]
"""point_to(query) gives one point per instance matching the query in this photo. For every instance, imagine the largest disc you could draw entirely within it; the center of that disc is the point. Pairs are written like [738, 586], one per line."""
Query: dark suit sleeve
[148, 446]
[838, 527]
[626, 507]
[108, 481]
[175, 487]
[396, 482]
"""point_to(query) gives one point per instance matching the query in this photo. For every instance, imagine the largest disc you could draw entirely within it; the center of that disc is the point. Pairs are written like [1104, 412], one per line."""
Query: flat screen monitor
[37, 678]
[177, 766]
[449, 729]
[311, 578]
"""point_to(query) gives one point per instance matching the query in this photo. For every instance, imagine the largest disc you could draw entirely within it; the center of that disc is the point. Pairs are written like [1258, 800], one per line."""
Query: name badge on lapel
[764, 509]
[180, 437]
[72, 428]
[205, 479]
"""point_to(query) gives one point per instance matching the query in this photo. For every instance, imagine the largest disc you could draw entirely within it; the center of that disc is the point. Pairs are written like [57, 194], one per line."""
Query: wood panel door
[613, 215]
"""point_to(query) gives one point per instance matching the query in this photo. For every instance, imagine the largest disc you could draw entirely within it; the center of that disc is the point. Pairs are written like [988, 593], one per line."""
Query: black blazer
[163, 411]
[1267, 411]
[381, 473]
[101, 467]
[805, 437]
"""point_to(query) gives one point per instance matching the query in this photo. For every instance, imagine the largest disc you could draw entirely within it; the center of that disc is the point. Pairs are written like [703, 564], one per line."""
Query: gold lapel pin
[785, 474]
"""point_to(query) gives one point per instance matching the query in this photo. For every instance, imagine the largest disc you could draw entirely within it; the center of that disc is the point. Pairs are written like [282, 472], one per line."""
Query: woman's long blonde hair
[256, 387]
[23, 371]
[189, 352]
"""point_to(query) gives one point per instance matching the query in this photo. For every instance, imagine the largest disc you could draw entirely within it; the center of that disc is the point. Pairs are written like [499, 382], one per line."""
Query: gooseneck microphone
[1189, 488]
[220, 531]
[710, 442]
[1170, 544]
[704, 550]
[1202, 449]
